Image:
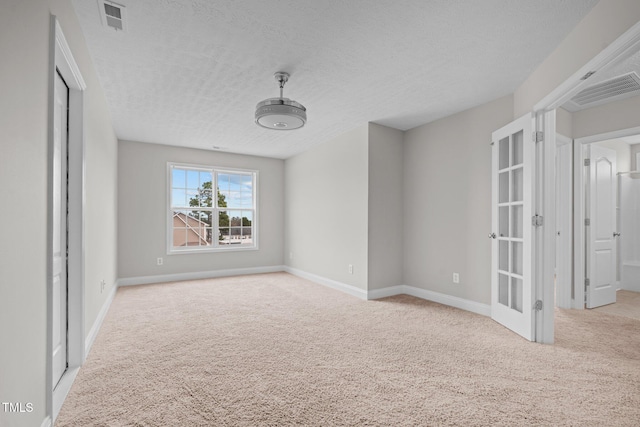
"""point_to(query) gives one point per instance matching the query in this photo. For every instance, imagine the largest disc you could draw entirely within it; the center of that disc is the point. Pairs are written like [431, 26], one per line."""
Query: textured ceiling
[190, 72]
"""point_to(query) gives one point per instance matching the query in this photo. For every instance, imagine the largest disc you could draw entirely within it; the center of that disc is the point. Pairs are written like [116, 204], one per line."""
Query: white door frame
[580, 211]
[564, 221]
[544, 110]
[545, 236]
[60, 218]
[61, 59]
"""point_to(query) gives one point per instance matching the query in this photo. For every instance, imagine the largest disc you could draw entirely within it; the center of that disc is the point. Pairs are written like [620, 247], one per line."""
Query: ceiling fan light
[280, 113]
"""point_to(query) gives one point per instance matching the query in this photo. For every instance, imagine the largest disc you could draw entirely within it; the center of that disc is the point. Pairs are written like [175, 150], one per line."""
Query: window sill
[212, 250]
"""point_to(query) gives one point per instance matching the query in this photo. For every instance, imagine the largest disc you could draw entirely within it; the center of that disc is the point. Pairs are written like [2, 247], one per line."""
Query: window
[201, 219]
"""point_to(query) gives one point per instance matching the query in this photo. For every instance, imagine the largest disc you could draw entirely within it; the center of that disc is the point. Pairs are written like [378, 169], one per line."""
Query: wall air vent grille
[614, 89]
[112, 15]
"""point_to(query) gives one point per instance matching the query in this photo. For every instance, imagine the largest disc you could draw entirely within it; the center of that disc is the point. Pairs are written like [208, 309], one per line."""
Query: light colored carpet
[627, 304]
[274, 349]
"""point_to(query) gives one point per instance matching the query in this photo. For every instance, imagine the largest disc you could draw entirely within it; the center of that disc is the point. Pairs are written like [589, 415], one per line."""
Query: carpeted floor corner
[277, 350]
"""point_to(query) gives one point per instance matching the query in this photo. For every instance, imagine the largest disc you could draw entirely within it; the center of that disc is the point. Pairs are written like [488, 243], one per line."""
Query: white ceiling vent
[112, 15]
[621, 87]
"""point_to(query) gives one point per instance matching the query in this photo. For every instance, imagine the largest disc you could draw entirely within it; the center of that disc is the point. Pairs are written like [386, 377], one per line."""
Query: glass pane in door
[504, 153]
[503, 187]
[503, 249]
[516, 258]
[503, 221]
[517, 221]
[517, 149]
[516, 294]
[503, 289]
[518, 185]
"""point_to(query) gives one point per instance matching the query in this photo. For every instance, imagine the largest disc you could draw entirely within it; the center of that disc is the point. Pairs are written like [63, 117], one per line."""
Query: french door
[512, 290]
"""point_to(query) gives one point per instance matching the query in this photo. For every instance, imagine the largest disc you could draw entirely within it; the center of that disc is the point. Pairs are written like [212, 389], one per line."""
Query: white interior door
[601, 251]
[61, 96]
[512, 292]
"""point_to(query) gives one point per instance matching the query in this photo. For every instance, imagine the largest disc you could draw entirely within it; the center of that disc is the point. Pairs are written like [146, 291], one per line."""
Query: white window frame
[215, 246]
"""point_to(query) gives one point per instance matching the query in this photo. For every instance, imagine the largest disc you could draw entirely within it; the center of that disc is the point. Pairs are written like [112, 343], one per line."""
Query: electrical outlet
[102, 285]
[456, 278]
[290, 255]
[350, 268]
[160, 261]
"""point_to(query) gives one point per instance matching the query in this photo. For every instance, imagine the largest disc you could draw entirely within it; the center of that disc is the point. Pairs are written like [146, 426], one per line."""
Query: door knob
[492, 235]
[616, 234]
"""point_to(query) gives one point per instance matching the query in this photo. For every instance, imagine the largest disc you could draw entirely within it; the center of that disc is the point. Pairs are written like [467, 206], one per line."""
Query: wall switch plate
[456, 278]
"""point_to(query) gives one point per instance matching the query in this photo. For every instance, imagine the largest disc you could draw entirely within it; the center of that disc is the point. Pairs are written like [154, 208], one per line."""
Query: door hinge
[586, 283]
[537, 220]
[537, 136]
[587, 222]
[538, 305]
[587, 162]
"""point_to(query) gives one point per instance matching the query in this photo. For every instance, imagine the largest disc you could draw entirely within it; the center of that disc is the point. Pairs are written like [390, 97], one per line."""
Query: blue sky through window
[186, 184]
[237, 189]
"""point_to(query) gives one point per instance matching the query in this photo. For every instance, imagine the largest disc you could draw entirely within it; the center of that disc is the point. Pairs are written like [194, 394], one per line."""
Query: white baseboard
[386, 292]
[46, 422]
[452, 301]
[93, 332]
[351, 290]
[145, 280]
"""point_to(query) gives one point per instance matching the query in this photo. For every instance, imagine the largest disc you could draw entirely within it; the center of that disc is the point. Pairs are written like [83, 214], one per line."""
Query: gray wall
[635, 149]
[326, 214]
[564, 122]
[142, 214]
[385, 206]
[447, 201]
[608, 117]
[24, 46]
